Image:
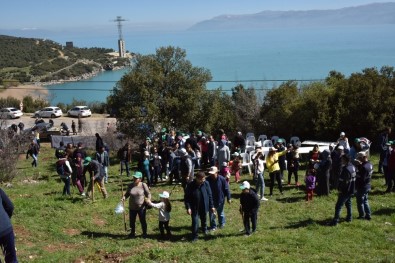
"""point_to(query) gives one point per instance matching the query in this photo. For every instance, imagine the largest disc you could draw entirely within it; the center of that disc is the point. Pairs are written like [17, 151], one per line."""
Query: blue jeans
[260, 184]
[221, 216]
[341, 200]
[126, 164]
[363, 204]
[66, 187]
[147, 173]
[7, 245]
[195, 222]
[132, 219]
[35, 160]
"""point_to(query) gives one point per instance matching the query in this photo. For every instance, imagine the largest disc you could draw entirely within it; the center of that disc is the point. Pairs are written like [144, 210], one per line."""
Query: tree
[246, 108]
[161, 90]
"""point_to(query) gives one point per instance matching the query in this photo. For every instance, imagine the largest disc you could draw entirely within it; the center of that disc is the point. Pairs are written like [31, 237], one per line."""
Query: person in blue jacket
[198, 201]
[7, 237]
[220, 190]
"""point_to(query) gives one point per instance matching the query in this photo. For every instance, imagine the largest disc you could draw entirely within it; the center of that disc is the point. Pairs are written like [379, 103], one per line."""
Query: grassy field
[53, 228]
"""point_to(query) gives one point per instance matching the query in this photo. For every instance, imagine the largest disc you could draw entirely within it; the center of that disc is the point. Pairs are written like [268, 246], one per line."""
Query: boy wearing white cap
[249, 205]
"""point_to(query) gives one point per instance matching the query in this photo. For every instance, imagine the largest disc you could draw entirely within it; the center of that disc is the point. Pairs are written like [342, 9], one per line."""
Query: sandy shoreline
[18, 92]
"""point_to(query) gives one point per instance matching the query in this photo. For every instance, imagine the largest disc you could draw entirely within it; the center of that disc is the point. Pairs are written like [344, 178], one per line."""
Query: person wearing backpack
[364, 176]
[346, 188]
[64, 170]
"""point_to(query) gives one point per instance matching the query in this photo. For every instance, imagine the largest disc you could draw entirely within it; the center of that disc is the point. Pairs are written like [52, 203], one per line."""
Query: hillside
[371, 14]
[32, 59]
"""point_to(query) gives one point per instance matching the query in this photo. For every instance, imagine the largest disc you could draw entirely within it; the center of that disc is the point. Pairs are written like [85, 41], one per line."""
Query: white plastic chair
[249, 134]
[274, 139]
[267, 143]
[294, 140]
[246, 161]
[262, 138]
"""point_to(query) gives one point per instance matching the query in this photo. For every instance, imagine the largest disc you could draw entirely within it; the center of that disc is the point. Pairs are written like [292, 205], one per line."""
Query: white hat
[183, 152]
[224, 164]
[342, 134]
[236, 154]
[165, 194]
[146, 153]
[340, 147]
[213, 170]
[245, 185]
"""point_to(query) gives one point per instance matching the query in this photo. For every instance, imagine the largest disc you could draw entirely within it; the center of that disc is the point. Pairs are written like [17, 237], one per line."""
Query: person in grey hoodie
[7, 237]
[223, 153]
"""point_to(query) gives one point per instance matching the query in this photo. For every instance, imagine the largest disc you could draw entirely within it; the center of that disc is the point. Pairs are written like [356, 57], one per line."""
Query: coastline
[36, 91]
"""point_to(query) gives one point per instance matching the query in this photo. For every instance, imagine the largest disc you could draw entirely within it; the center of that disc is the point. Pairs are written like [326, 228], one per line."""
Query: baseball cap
[342, 133]
[137, 175]
[361, 154]
[213, 170]
[87, 161]
[245, 185]
[165, 194]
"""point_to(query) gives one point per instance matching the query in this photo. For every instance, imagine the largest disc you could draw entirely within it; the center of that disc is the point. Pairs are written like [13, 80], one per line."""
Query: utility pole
[121, 42]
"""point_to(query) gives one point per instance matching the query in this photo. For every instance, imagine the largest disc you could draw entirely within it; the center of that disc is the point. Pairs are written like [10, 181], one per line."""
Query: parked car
[49, 112]
[79, 111]
[10, 113]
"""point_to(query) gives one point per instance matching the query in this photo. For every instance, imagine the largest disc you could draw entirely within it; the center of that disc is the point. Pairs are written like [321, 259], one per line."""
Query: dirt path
[24, 90]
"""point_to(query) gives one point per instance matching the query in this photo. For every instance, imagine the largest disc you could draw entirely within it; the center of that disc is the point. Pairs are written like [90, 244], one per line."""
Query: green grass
[53, 228]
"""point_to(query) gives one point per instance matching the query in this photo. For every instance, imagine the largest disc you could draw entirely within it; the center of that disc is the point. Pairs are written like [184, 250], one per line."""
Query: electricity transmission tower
[121, 42]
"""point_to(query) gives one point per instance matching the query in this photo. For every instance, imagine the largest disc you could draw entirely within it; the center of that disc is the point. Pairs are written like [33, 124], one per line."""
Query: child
[164, 214]
[310, 183]
[225, 171]
[249, 205]
[236, 166]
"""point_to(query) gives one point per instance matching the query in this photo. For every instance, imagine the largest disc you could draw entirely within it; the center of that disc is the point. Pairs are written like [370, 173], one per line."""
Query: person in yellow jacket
[274, 168]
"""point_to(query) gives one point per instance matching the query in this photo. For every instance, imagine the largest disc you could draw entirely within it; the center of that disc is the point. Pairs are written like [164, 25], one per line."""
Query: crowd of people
[204, 164]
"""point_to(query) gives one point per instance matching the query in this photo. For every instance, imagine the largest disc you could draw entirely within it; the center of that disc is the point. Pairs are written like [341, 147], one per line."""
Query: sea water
[258, 58]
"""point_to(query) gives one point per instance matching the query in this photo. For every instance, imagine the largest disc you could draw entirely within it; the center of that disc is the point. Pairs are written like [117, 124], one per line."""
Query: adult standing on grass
[219, 190]
[103, 158]
[137, 192]
[223, 153]
[198, 201]
[383, 141]
[274, 168]
[124, 156]
[249, 205]
[364, 176]
[323, 168]
[346, 189]
[259, 170]
[97, 174]
[33, 152]
[7, 237]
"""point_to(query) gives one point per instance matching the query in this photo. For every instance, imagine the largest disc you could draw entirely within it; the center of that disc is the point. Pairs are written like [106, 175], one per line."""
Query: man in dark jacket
[249, 205]
[364, 176]
[198, 201]
[346, 189]
[97, 173]
[383, 140]
[219, 189]
[7, 237]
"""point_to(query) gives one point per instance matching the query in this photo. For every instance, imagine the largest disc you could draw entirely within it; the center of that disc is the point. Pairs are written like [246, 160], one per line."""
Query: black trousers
[275, 175]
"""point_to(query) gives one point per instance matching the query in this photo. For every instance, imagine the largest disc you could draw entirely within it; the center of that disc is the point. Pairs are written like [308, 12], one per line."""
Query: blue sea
[259, 58]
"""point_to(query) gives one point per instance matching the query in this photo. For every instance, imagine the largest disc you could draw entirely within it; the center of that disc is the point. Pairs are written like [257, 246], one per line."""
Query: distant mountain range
[371, 14]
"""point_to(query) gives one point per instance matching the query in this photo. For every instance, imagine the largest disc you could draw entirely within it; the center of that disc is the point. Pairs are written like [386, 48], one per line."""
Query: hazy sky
[57, 15]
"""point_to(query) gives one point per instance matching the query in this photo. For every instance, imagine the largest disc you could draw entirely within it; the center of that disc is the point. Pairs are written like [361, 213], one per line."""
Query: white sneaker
[264, 199]
[83, 194]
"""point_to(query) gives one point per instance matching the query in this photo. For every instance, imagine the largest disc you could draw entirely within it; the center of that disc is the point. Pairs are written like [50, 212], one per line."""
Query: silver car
[49, 112]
